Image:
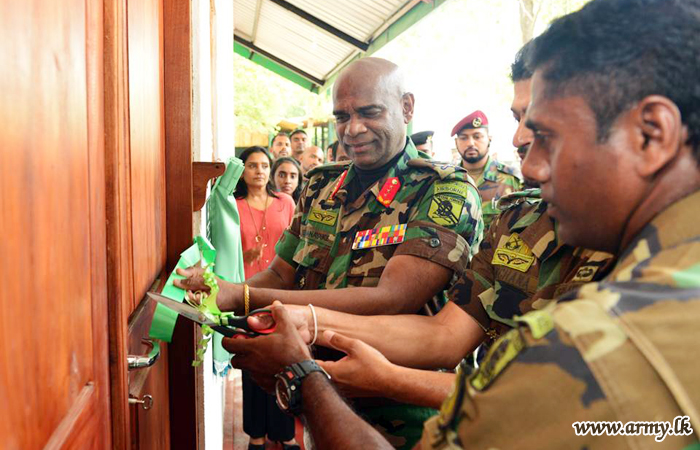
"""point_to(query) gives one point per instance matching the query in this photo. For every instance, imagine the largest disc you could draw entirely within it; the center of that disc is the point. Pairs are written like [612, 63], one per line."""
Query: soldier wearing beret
[493, 178]
[423, 141]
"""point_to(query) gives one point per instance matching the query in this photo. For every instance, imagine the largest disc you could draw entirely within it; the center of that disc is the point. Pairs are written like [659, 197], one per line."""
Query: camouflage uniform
[419, 207]
[522, 265]
[624, 349]
[496, 181]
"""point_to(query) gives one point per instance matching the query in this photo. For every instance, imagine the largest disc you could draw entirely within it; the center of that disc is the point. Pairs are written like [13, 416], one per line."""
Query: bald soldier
[390, 224]
[493, 178]
[614, 363]
[522, 265]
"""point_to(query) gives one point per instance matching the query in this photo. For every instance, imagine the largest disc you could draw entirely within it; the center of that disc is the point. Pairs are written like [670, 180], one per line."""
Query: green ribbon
[164, 318]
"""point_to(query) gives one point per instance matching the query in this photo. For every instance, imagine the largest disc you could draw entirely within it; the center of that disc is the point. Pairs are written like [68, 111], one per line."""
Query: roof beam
[279, 61]
[256, 21]
[321, 24]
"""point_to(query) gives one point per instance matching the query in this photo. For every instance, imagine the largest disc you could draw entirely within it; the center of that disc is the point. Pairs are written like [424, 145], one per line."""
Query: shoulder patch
[443, 169]
[501, 354]
[513, 253]
[332, 167]
[508, 201]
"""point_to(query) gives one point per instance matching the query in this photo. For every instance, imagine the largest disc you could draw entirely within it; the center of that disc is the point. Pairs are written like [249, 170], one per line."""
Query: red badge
[338, 185]
[389, 191]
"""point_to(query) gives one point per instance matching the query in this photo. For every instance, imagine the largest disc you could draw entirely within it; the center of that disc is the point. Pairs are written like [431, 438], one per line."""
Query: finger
[262, 322]
[328, 366]
[238, 345]
[339, 342]
[185, 272]
[281, 316]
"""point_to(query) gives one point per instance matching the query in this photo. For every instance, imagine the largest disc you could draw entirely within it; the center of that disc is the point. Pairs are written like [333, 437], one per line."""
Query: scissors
[230, 325]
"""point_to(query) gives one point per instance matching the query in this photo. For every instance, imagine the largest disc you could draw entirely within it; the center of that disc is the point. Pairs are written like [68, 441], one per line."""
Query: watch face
[282, 394]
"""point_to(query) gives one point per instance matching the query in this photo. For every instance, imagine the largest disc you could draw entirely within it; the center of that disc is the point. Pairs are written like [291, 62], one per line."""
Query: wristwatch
[288, 386]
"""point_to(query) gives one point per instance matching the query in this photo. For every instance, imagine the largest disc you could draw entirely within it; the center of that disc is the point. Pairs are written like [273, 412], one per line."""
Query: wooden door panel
[147, 144]
[52, 380]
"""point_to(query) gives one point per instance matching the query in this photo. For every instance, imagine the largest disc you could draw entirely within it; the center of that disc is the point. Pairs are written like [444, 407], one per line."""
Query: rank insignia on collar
[514, 253]
[389, 190]
[338, 185]
[377, 237]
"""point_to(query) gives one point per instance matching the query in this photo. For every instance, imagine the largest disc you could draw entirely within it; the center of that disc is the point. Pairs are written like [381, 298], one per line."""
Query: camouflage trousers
[401, 425]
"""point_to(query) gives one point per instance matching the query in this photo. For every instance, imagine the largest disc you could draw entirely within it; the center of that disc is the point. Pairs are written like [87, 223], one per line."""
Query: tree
[263, 98]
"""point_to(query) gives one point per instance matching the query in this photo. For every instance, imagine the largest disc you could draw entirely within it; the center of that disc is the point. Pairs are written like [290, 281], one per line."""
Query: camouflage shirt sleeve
[477, 282]
[289, 241]
[446, 227]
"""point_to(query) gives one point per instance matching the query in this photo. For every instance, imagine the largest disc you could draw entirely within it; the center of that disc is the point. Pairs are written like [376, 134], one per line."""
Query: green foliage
[263, 98]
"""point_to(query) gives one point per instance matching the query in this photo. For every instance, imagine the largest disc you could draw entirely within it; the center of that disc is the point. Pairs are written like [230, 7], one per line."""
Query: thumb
[281, 316]
[328, 366]
[339, 342]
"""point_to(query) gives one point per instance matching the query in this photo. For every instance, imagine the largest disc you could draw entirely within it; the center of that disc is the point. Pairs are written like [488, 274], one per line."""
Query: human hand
[229, 298]
[193, 281]
[253, 254]
[299, 316]
[265, 356]
[363, 372]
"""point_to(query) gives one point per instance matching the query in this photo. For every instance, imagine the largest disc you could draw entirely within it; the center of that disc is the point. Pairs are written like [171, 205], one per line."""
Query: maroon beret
[477, 119]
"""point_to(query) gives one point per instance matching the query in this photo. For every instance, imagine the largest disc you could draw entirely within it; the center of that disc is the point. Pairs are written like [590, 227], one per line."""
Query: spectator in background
[299, 139]
[281, 145]
[264, 216]
[286, 176]
[312, 157]
[423, 141]
[337, 153]
[329, 152]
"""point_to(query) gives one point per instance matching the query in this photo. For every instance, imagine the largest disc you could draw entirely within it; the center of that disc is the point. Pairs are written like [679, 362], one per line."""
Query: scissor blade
[181, 308]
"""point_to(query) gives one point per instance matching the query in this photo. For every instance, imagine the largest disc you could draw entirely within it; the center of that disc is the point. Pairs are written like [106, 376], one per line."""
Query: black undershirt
[366, 178]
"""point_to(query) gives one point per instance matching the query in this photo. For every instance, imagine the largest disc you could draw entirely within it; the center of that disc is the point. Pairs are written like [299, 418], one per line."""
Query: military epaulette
[506, 169]
[531, 196]
[330, 167]
[443, 169]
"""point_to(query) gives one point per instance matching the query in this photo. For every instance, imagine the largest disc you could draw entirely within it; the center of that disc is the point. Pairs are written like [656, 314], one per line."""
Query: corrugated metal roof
[309, 41]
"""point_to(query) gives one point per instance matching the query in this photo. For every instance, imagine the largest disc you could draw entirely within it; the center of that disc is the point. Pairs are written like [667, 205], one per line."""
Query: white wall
[213, 139]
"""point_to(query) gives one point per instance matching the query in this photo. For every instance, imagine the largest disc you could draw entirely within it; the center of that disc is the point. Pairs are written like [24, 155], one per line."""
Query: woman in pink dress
[264, 215]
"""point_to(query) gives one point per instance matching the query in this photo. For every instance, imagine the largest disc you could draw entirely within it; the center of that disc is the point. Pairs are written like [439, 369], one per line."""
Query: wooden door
[137, 232]
[135, 147]
[54, 381]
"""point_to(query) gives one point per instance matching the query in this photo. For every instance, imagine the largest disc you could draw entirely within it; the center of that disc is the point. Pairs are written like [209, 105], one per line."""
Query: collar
[398, 169]
[674, 226]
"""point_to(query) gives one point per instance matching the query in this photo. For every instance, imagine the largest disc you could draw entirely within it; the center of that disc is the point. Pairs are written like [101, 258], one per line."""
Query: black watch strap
[302, 369]
[291, 378]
